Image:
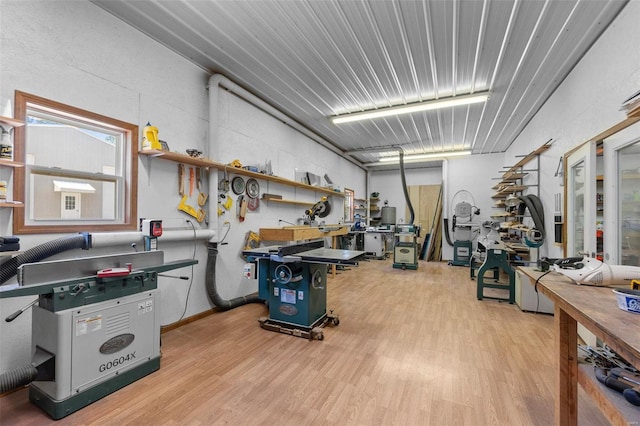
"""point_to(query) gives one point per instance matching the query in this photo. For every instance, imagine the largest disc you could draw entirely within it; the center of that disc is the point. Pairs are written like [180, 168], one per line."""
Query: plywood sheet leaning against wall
[435, 245]
[428, 212]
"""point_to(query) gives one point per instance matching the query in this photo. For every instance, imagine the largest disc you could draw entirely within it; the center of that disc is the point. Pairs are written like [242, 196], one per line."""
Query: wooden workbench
[596, 309]
[298, 233]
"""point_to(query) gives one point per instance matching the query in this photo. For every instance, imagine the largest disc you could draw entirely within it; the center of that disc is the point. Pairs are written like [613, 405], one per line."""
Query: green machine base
[405, 255]
[496, 260]
[461, 253]
[59, 409]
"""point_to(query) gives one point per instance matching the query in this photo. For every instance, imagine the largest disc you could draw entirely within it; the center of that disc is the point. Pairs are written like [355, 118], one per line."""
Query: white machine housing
[96, 342]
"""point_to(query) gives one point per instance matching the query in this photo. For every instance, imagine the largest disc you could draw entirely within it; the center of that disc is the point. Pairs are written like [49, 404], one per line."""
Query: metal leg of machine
[496, 259]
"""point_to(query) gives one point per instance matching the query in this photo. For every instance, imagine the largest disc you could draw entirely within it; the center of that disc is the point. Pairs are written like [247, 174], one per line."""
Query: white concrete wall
[75, 53]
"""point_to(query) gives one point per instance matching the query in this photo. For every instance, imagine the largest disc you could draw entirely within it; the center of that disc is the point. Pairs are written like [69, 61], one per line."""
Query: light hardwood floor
[412, 348]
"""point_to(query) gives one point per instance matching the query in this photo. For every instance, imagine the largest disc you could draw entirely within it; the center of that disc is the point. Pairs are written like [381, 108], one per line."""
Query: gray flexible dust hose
[17, 377]
[42, 251]
[210, 282]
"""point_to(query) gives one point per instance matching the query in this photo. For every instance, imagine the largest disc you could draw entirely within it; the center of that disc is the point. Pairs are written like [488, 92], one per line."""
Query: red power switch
[152, 228]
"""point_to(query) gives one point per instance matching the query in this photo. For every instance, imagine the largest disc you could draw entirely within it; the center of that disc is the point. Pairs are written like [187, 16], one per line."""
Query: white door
[581, 201]
[70, 205]
[622, 197]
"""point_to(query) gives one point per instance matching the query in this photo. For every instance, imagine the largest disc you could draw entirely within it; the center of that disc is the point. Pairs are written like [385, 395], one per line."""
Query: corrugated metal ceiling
[314, 59]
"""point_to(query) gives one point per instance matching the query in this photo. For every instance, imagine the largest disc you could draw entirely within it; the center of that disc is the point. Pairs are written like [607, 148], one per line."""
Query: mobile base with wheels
[314, 332]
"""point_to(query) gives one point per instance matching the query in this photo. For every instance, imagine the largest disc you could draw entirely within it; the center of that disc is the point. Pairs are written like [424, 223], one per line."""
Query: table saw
[292, 279]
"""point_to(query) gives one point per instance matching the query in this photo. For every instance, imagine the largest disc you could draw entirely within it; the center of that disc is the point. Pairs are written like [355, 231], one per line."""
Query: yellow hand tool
[199, 214]
[184, 207]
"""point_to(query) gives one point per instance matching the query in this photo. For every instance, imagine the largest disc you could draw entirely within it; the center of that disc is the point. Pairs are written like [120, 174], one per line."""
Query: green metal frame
[59, 409]
[495, 260]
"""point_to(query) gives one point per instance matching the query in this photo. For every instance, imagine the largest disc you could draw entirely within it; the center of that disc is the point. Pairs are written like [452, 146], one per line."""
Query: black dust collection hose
[17, 378]
[42, 251]
[446, 231]
[405, 189]
[534, 205]
[210, 282]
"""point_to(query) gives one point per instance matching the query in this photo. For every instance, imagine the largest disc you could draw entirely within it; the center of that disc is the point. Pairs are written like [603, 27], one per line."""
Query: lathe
[95, 328]
[292, 279]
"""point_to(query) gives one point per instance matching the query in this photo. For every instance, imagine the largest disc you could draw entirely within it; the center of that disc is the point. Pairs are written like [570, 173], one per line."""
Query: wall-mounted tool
[253, 188]
[198, 177]
[237, 185]
[242, 208]
[223, 185]
[321, 209]
[181, 179]
[199, 214]
[202, 199]
[224, 203]
[192, 179]
[151, 230]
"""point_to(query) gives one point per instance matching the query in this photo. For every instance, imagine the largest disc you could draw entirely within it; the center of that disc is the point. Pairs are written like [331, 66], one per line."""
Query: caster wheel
[336, 321]
[317, 334]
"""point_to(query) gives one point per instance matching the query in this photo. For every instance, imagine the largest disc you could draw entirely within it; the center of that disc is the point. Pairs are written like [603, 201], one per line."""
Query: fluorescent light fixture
[413, 107]
[396, 159]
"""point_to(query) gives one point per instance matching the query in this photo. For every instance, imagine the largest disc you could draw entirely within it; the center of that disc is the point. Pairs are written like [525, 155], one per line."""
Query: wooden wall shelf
[283, 201]
[203, 162]
[9, 123]
[297, 233]
[8, 163]
[524, 160]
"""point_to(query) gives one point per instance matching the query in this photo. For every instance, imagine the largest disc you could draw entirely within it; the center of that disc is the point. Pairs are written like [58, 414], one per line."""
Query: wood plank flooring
[412, 348]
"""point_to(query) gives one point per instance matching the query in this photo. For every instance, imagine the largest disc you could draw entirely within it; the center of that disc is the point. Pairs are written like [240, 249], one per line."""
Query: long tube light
[413, 107]
[416, 157]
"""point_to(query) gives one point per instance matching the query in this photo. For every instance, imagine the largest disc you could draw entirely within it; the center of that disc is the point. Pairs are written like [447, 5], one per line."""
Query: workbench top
[297, 233]
[314, 255]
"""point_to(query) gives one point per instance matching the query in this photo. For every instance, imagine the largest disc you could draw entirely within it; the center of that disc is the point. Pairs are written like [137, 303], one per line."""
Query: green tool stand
[495, 260]
[461, 253]
[476, 263]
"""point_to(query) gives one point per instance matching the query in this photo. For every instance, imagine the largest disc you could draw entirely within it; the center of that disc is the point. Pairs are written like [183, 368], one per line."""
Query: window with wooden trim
[81, 169]
[348, 205]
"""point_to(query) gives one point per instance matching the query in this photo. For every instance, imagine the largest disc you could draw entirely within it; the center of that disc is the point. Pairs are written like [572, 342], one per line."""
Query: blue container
[628, 300]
